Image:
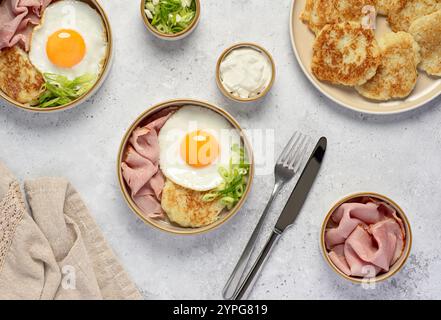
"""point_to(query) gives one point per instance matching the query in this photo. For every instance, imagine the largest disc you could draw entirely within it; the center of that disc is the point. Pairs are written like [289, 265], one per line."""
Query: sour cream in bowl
[245, 72]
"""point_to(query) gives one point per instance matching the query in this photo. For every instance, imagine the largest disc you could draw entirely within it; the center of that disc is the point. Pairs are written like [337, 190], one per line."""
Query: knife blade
[301, 190]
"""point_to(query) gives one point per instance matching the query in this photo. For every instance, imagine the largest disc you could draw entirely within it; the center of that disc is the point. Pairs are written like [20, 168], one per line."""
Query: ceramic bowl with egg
[64, 61]
[366, 237]
[245, 72]
[185, 166]
[180, 22]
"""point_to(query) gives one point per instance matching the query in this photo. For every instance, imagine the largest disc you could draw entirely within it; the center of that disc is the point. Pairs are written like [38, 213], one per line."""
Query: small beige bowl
[175, 36]
[102, 77]
[167, 226]
[401, 261]
[226, 52]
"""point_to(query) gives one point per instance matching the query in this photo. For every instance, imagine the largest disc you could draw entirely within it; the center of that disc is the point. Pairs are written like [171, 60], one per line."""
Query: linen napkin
[57, 251]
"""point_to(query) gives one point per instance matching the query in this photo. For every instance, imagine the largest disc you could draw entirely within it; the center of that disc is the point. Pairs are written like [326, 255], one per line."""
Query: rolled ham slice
[386, 233]
[137, 170]
[349, 216]
[17, 20]
[358, 267]
[141, 171]
[368, 238]
[338, 257]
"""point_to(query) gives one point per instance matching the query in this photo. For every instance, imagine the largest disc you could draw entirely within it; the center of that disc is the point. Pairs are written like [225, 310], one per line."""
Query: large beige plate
[302, 39]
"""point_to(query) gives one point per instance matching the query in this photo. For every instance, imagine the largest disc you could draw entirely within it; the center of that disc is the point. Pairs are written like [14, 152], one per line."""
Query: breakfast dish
[365, 237]
[426, 31]
[401, 13]
[389, 90]
[345, 53]
[185, 165]
[319, 13]
[397, 74]
[59, 55]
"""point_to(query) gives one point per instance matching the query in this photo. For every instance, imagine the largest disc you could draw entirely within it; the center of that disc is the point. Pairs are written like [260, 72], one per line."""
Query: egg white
[189, 119]
[74, 15]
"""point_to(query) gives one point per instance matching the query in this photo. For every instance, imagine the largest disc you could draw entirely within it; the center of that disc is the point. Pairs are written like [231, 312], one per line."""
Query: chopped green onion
[170, 16]
[59, 90]
[235, 180]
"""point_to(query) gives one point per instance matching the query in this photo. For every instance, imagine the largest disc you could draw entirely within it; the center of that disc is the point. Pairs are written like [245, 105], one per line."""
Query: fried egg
[193, 143]
[70, 41]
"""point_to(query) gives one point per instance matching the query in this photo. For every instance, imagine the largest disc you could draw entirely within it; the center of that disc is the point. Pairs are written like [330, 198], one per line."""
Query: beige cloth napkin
[58, 252]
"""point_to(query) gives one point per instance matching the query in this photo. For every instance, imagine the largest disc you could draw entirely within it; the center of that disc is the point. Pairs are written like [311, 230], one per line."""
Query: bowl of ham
[185, 166]
[366, 236]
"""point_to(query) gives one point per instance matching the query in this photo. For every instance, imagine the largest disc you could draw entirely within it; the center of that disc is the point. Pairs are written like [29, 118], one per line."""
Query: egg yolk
[199, 149]
[65, 48]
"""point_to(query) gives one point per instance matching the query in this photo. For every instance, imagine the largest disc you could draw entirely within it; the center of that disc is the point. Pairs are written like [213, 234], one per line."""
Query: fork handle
[248, 283]
[238, 273]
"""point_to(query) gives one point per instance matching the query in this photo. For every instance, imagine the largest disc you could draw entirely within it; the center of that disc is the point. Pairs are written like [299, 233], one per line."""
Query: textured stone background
[395, 155]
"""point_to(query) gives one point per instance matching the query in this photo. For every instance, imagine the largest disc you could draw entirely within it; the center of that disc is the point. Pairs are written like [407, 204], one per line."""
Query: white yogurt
[245, 72]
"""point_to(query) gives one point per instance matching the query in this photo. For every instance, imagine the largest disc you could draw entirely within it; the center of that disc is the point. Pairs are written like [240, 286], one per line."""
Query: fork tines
[294, 152]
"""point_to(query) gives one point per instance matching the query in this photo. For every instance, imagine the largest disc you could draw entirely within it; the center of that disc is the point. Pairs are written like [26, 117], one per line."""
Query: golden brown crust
[402, 13]
[186, 208]
[397, 74]
[427, 33]
[19, 79]
[318, 13]
[382, 6]
[346, 54]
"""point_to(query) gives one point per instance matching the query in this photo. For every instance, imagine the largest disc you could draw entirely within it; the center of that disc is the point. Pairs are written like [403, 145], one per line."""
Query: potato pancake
[19, 79]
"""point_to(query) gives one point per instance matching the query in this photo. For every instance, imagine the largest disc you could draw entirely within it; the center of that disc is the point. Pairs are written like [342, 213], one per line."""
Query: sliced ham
[145, 139]
[148, 202]
[389, 230]
[345, 259]
[365, 246]
[349, 216]
[141, 171]
[17, 20]
[358, 267]
[337, 256]
[366, 212]
[137, 170]
[366, 238]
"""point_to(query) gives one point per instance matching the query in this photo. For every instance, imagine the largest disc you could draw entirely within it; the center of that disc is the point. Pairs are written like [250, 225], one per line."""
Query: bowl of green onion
[171, 19]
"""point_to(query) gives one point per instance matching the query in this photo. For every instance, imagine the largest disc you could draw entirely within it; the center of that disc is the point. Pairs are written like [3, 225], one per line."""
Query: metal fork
[287, 165]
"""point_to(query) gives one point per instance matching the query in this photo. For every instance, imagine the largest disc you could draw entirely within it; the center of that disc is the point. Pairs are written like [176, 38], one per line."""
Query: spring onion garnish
[59, 90]
[170, 16]
[235, 180]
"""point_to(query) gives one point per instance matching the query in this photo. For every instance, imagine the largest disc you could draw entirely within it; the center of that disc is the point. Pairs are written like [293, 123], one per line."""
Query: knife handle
[248, 282]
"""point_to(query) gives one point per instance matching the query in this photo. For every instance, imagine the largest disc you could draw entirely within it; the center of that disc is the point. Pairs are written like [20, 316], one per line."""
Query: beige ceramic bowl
[175, 36]
[167, 226]
[106, 68]
[397, 266]
[225, 54]
[427, 88]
